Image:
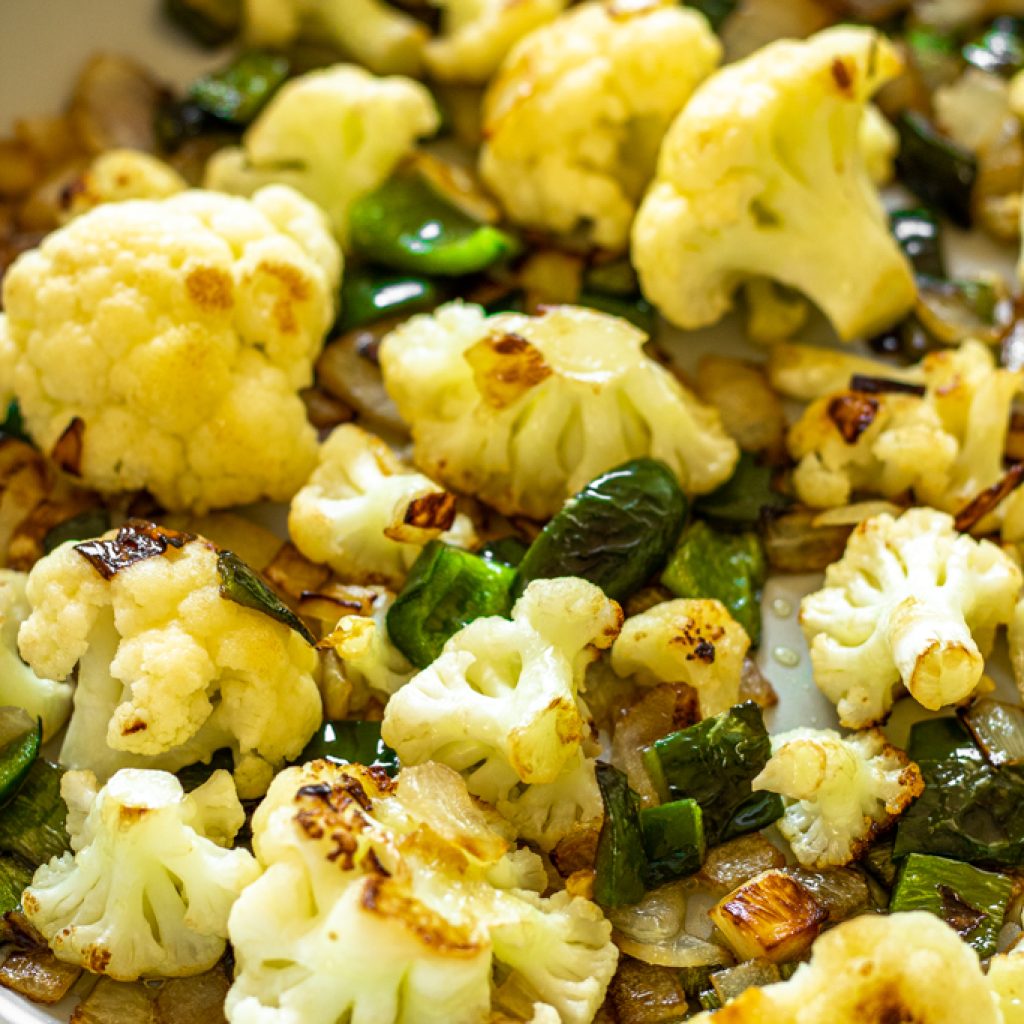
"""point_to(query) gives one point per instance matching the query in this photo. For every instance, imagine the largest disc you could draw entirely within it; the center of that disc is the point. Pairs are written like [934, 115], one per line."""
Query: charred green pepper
[728, 566]
[351, 742]
[936, 169]
[714, 762]
[920, 237]
[620, 863]
[999, 49]
[744, 497]
[446, 589]
[369, 295]
[237, 93]
[209, 22]
[617, 532]
[20, 737]
[673, 836]
[971, 901]
[407, 225]
[32, 821]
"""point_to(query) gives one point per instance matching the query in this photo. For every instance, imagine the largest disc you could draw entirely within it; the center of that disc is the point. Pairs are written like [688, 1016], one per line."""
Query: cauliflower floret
[366, 515]
[525, 411]
[160, 344]
[121, 174]
[875, 970]
[169, 669]
[395, 901]
[371, 32]
[45, 699]
[574, 118]
[880, 143]
[367, 661]
[375, 122]
[911, 600]
[476, 35]
[840, 791]
[693, 641]
[147, 886]
[1006, 978]
[946, 446]
[762, 174]
[501, 705]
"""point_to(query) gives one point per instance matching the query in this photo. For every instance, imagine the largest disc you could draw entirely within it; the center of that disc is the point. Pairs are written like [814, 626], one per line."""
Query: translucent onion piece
[657, 918]
[998, 729]
[683, 951]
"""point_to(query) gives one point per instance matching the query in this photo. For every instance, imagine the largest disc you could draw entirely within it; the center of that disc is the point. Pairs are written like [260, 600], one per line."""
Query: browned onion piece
[843, 892]
[793, 543]
[734, 981]
[977, 508]
[733, 863]
[38, 975]
[754, 686]
[348, 369]
[114, 105]
[644, 994]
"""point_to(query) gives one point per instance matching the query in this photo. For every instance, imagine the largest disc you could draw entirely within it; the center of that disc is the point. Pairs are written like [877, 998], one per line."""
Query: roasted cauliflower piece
[169, 668]
[910, 601]
[146, 888]
[692, 641]
[763, 175]
[366, 515]
[397, 902]
[118, 175]
[476, 35]
[945, 445]
[372, 32]
[45, 699]
[575, 116]
[501, 706]
[875, 970]
[375, 123]
[840, 791]
[523, 412]
[161, 344]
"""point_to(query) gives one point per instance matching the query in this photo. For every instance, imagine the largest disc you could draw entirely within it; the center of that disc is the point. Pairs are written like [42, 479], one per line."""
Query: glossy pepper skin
[369, 295]
[406, 225]
[616, 532]
[446, 589]
[621, 862]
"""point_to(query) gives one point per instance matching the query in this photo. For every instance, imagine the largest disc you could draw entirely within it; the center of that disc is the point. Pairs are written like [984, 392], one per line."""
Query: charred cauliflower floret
[476, 35]
[910, 601]
[522, 412]
[946, 445]
[366, 515]
[45, 699]
[147, 886]
[170, 666]
[161, 344]
[501, 706]
[690, 641]
[372, 124]
[574, 118]
[118, 175]
[840, 791]
[372, 32]
[366, 663]
[762, 175]
[875, 970]
[403, 902]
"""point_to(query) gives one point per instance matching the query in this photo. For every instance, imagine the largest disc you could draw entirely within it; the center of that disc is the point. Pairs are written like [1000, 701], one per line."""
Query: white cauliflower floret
[763, 175]
[875, 969]
[501, 705]
[121, 174]
[692, 641]
[523, 412]
[372, 32]
[160, 344]
[946, 445]
[1006, 979]
[367, 661]
[147, 886]
[366, 515]
[169, 669]
[910, 601]
[396, 902]
[374, 123]
[880, 143]
[574, 118]
[476, 35]
[840, 791]
[20, 687]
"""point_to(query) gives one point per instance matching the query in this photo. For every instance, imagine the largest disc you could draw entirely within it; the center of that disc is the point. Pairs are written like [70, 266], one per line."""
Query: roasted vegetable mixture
[494, 730]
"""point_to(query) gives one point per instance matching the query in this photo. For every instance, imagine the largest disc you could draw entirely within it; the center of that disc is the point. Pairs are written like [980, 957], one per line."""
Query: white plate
[42, 45]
